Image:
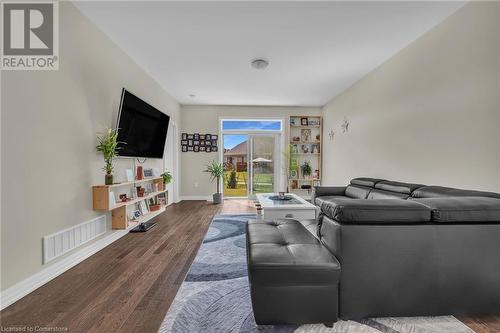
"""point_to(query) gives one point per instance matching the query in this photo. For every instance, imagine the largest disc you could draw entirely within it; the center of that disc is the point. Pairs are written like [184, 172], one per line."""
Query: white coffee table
[297, 208]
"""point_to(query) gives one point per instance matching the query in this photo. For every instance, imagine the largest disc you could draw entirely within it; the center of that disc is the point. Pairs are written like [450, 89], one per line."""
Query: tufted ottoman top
[284, 252]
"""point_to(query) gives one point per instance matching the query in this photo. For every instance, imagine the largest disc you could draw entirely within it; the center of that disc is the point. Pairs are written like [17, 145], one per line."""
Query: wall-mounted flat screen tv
[142, 129]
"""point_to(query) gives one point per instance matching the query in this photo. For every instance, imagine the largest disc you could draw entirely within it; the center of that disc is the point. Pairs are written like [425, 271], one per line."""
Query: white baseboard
[196, 197]
[23, 288]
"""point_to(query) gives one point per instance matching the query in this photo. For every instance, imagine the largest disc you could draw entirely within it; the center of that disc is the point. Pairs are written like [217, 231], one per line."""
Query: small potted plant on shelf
[216, 171]
[167, 178]
[306, 169]
[108, 146]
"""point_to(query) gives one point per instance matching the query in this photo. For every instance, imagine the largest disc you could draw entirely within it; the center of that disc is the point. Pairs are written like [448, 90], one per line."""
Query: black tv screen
[142, 129]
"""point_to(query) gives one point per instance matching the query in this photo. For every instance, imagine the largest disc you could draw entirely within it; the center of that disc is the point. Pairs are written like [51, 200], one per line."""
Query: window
[251, 125]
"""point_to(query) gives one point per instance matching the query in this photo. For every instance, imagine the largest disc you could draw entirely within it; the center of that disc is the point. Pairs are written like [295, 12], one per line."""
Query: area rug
[215, 296]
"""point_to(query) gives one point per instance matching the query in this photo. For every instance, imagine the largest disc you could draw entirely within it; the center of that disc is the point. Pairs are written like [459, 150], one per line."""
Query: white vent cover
[63, 241]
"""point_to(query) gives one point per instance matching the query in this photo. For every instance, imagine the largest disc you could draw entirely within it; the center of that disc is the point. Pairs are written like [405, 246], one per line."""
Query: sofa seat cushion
[318, 201]
[440, 191]
[381, 194]
[376, 211]
[463, 209]
[284, 252]
[398, 187]
[364, 181]
[357, 192]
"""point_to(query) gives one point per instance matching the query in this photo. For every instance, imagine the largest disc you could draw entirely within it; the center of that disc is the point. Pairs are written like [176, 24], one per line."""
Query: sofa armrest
[320, 191]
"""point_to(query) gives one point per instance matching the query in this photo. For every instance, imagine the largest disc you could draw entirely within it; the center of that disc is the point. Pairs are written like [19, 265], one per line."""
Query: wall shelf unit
[305, 146]
[104, 198]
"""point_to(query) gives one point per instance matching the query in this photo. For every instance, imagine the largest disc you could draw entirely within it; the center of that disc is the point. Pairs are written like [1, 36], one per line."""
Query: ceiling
[316, 49]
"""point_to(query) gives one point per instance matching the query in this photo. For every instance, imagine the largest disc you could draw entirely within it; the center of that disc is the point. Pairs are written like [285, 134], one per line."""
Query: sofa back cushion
[462, 209]
[364, 181]
[376, 211]
[441, 191]
[381, 194]
[397, 187]
[357, 192]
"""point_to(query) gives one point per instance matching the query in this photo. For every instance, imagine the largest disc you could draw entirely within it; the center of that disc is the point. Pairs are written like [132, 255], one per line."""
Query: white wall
[49, 121]
[205, 119]
[430, 114]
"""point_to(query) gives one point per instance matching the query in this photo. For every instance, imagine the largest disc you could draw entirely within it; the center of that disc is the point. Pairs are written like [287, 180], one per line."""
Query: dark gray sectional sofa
[410, 249]
[397, 249]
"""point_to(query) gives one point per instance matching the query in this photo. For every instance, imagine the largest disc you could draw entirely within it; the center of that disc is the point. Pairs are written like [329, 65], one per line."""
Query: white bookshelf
[305, 146]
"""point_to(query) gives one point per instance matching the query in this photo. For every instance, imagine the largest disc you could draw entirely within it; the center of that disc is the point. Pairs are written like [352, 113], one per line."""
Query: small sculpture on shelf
[140, 191]
[306, 135]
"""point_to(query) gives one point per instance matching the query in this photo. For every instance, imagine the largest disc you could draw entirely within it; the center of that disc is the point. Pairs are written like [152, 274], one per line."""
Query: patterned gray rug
[215, 296]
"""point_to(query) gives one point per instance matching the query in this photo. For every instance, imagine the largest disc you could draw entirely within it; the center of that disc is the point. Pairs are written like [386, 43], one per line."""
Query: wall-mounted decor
[345, 126]
[199, 142]
[331, 134]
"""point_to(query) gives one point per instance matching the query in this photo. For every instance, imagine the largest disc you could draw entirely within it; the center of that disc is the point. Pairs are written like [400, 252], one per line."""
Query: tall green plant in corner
[216, 171]
[108, 146]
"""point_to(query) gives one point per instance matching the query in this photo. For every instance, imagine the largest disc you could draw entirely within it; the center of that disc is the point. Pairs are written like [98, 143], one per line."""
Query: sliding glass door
[262, 158]
[235, 159]
[250, 156]
[249, 164]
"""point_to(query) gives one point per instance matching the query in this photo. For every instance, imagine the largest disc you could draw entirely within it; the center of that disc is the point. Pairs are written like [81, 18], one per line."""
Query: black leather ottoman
[293, 278]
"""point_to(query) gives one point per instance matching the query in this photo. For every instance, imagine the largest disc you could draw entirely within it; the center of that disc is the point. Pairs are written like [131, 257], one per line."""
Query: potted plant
[108, 146]
[306, 169]
[216, 171]
[167, 177]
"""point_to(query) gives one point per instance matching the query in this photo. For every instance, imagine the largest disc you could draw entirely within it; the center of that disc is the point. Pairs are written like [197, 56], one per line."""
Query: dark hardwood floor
[129, 285]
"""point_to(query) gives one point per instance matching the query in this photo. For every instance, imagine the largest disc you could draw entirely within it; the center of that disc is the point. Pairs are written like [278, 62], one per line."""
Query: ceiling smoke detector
[260, 63]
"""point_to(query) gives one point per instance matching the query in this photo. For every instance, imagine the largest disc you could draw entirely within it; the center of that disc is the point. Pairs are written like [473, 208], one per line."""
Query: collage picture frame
[195, 142]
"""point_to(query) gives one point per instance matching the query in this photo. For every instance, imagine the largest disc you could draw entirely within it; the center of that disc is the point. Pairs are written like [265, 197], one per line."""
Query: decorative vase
[139, 173]
[108, 179]
[217, 197]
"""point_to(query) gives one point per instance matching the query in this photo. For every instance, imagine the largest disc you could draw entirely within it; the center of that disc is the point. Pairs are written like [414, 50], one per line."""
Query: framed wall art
[196, 142]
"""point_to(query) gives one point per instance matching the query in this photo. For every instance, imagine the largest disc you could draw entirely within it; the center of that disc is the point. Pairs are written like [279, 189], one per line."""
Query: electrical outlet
[196, 184]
